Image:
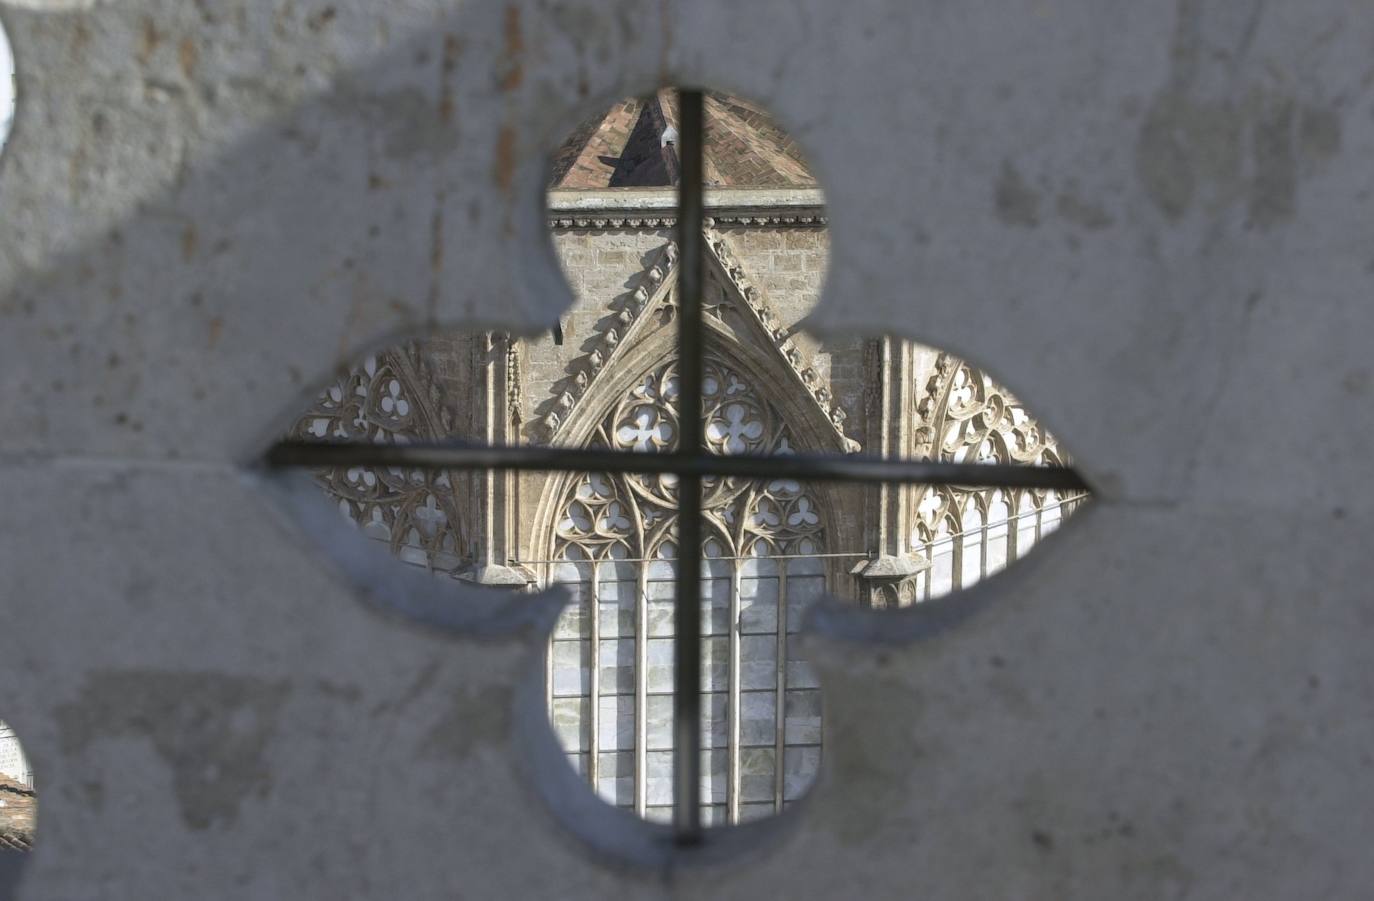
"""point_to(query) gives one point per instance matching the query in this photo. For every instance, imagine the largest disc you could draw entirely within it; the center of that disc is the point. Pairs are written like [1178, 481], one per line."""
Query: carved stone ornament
[963, 416]
[654, 290]
[888, 582]
[392, 398]
[639, 513]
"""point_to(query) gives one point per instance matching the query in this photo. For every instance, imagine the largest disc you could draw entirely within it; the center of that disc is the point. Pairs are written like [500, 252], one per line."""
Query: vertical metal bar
[687, 606]
[641, 745]
[594, 680]
[780, 713]
[732, 706]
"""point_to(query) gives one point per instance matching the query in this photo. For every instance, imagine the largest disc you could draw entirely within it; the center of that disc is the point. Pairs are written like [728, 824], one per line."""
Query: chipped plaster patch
[211, 730]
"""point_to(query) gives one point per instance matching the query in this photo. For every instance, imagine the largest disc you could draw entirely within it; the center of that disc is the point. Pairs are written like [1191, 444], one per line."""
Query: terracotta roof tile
[745, 148]
[18, 814]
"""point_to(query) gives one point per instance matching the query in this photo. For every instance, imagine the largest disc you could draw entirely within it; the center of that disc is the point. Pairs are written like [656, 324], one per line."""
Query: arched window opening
[968, 534]
[610, 662]
[606, 379]
[416, 511]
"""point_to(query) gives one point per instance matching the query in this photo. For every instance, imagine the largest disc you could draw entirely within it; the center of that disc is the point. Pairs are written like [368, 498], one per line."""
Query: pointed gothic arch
[392, 398]
[966, 417]
[642, 334]
[644, 312]
[644, 397]
[614, 547]
[611, 542]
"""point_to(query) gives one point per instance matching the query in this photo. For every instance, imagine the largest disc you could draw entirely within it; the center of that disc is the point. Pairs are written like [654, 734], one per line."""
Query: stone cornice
[657, 208]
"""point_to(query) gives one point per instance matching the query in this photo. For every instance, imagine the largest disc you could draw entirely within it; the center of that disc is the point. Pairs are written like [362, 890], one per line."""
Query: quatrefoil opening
[606, 378]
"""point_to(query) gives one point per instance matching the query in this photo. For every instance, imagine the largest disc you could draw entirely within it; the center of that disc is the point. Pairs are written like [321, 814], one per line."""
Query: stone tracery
[613, 541]
[615, 548]
[966, 533]
[742, 512]
[414, 510]
[654, 288]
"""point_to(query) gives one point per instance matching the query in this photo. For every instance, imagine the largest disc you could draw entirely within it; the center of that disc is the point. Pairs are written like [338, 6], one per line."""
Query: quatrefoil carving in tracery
[638, 512]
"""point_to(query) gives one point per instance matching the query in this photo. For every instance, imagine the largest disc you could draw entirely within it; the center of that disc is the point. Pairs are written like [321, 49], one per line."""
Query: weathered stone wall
[602, 267]
[1152, 221]
[789, 265]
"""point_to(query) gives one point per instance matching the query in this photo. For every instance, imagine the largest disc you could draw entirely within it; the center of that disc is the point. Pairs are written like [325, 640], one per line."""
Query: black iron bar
[802, 467]
[687, 600]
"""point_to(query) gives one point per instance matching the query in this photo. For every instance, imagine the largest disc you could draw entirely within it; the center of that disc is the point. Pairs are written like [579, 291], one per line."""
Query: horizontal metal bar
[853, 555]
[804, 467]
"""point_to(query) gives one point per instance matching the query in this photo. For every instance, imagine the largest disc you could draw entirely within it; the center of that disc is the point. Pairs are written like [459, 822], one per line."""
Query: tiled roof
[18, 810]
[626, 147]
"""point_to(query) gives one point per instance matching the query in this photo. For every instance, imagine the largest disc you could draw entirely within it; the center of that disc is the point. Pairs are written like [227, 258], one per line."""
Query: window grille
[1037, 490]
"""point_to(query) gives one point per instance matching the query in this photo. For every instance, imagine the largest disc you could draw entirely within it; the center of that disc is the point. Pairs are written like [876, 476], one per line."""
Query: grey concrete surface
[1153, 222]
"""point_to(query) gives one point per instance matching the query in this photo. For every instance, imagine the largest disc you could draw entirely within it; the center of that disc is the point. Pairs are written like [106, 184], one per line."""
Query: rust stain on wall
[452, 48]
[503, 171]
[190, 240]
[512, 51]
[436, 255]
[189, 56]
[151, 39]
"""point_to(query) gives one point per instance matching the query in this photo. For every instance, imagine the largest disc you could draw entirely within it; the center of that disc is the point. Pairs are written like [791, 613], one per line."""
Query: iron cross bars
[689, 463]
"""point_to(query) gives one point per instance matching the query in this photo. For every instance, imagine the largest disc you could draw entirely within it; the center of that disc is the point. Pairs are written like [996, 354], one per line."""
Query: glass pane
[571, 668]
[617, 666]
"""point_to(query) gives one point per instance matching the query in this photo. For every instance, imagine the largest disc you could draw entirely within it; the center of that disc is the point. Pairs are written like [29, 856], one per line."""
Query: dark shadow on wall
[11, 867]
[345, 204]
